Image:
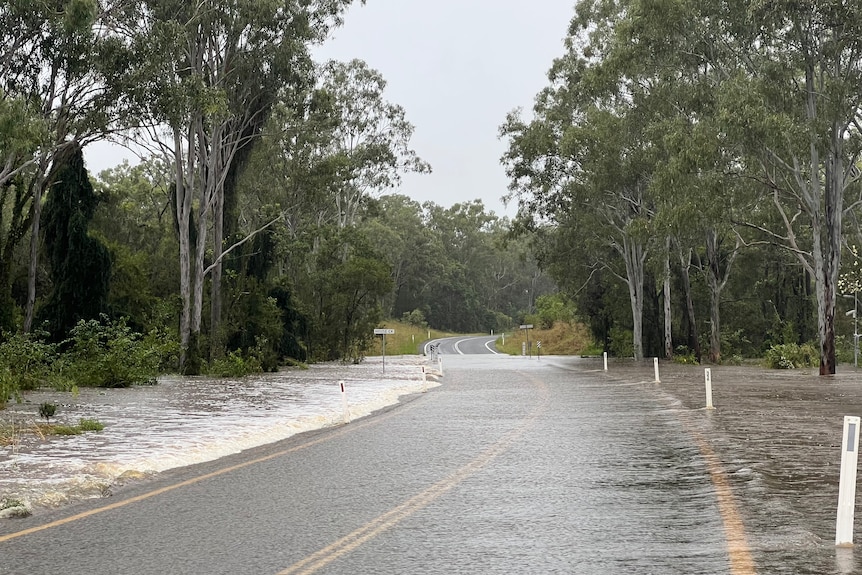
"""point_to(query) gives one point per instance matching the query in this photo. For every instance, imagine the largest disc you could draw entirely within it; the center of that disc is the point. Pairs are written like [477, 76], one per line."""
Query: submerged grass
[10, 432]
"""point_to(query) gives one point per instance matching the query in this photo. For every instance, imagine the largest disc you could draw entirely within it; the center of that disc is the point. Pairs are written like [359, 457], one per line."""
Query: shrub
[621, 342]
[234, 364]
[109, 354]
[791, 356]
[684, 356]
[27, 361]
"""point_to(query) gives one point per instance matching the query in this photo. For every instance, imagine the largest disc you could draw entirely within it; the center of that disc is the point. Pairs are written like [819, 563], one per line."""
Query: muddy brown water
[778, 436]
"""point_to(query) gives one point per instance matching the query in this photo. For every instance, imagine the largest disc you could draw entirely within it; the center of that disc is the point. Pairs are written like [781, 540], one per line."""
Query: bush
[234, 364]
[791, 356]
[621, 342]
[109, 354]
[27, 359]
[684, 356]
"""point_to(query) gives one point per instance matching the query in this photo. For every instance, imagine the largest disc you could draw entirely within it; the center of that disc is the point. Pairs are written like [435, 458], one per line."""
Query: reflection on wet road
[511, 466]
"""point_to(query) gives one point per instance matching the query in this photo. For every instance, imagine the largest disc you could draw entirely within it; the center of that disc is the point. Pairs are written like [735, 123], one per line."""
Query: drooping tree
[80, 264]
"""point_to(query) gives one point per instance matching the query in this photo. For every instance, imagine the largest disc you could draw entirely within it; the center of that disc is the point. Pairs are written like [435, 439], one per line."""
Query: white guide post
[424, 380]
[440, 364]
[847, 484]
[707, 374]
[344, 403]
[605, 355]
[655, 365]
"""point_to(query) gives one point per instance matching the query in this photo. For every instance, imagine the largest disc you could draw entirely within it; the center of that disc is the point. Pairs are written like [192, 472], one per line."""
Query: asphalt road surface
[461, 345]
[511, 466]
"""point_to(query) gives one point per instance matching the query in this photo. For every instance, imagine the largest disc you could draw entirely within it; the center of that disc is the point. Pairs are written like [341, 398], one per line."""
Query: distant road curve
[463, 345]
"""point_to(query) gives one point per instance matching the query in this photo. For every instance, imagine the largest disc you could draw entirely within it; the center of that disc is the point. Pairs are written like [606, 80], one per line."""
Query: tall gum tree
[57, 91]
[584, 162]
[221, 56]
[795, 105]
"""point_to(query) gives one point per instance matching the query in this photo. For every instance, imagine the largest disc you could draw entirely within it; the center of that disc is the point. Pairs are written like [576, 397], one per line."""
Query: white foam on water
[183, 421]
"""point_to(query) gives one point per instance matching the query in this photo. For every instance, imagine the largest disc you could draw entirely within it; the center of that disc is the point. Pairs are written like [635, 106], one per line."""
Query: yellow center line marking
[192, 481]
[375, 527]
[741, 561]
[739, 552]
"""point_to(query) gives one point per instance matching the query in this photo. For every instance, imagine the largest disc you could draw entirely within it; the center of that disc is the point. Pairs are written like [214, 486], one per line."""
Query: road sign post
[384, 332]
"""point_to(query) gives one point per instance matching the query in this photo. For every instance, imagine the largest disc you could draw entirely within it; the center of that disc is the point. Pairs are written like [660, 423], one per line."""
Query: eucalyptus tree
[370, 138]
[794, 105]
[58, 89]
[217, 68]
[584, 160]
[395, 225]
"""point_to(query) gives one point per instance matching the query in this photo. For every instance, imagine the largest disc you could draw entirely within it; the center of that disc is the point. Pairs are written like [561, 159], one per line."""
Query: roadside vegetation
[658, 215]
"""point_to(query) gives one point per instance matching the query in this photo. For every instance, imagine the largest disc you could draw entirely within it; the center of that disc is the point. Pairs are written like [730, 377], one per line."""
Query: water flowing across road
[183, 421]
[513, 465]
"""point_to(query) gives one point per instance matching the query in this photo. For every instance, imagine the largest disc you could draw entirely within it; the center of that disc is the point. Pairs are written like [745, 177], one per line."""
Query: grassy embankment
[562, 339]
[406, 339]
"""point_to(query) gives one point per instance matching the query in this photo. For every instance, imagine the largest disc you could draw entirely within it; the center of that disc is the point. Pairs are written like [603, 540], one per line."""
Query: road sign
[383, 331]
[527, 326]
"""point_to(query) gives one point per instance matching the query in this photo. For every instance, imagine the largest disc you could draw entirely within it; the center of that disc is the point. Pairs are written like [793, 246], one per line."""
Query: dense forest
[698, 139]
[686, 186]
[263, 220]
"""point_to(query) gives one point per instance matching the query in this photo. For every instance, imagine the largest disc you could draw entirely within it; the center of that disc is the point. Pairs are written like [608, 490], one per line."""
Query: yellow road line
[383, 522]
[739, 552]
[741, 561]
[200, 478]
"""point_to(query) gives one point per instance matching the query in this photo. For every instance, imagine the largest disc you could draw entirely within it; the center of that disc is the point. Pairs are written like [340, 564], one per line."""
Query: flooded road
[778, 435]
[512, 465]
[183, 421]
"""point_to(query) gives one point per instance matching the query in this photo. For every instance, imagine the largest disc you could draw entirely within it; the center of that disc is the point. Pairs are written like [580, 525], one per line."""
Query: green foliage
[90, 425]
[620, 342]
[791, 356]
[415, 318]
[27, 360]
[47, 410]
[83, 426]
[235, 364]
[684, 356]
[103, 353]
[80, 265]
[551, 308]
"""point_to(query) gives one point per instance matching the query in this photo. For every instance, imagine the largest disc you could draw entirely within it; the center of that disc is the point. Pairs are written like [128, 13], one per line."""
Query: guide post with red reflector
[344, 403]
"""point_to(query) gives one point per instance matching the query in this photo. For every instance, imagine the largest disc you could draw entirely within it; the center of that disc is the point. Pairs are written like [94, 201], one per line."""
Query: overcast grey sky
[457, 67]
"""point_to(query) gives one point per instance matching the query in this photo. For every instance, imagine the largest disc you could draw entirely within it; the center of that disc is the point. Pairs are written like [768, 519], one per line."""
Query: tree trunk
[34, 258]
[634, 256]
[668, 324]
[693, 337]
[183, 205]
[713, 280]
[831, 264]
[216, 343]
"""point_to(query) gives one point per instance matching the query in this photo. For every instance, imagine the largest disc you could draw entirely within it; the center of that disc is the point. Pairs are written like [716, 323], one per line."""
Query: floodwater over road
[182, 421]
[514, 465]
[777, 435]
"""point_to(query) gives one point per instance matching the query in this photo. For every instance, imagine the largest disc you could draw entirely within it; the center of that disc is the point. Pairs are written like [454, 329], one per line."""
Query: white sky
[457, 67]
